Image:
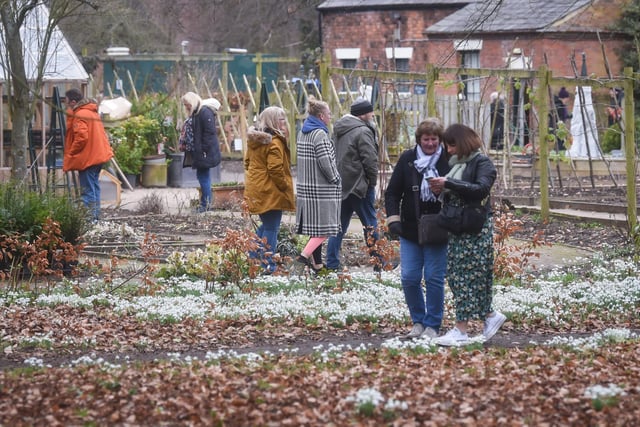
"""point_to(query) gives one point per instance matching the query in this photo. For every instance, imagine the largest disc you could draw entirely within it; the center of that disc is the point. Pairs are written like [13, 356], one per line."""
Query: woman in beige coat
[268, 183]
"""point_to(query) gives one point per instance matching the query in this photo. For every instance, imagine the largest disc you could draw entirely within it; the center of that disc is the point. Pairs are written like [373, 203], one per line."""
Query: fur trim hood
[256, 138]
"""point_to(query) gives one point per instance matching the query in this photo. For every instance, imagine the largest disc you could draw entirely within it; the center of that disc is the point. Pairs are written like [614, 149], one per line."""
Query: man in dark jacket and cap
[356, 149]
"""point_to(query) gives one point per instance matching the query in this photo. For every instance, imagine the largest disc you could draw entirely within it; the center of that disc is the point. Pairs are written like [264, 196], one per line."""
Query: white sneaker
[416, 331]
[492, 324]
[429, 333]
[452, 338]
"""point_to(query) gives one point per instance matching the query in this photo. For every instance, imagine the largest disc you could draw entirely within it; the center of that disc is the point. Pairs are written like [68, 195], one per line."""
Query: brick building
[406, 35]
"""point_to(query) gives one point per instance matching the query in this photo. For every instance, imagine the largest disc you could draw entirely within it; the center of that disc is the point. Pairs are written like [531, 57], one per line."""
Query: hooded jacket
[267, 165]
[356, 155]
[86, 143]
[206, 148]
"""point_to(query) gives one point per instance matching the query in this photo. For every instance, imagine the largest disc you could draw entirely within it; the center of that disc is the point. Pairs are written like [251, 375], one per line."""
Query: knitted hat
[361, 107]
[563, 94]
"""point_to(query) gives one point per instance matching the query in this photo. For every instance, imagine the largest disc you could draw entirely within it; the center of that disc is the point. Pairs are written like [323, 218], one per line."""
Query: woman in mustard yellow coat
[268, 182]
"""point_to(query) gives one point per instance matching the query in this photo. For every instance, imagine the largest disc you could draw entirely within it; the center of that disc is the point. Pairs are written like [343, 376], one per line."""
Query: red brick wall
[372, 32]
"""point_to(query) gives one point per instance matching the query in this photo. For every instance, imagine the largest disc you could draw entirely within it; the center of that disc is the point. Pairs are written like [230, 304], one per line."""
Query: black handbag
[466, 218]
[429, 231]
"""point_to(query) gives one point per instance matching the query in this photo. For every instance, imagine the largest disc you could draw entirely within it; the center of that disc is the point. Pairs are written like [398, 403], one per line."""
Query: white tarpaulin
[115, 109]
[583, 126]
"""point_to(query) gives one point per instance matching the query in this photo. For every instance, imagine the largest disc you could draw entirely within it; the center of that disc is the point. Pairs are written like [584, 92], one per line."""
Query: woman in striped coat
[319, 187]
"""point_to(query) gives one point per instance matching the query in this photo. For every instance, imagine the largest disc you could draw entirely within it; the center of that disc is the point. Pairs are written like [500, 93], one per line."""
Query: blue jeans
[429, 261]
[268, 230]
[90, 187]
[366, 211]
[204, 178]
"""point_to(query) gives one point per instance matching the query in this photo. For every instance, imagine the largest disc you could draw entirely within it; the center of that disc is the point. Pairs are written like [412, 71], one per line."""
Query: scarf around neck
[426, 165]
[459, 164]
[312, 123]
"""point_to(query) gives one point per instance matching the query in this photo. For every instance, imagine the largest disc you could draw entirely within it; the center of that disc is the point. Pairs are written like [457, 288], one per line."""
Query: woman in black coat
[199, 140]
[407, 197]
[470, 255]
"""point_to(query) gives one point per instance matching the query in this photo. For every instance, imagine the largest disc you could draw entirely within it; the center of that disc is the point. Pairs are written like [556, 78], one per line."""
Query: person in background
[356, 150]
[407, 187]
[614, 110]
[496, 109]
[268, 183]
[470, 256]
[318, 188]
[559, 114]
[86, 147]
[199, 141]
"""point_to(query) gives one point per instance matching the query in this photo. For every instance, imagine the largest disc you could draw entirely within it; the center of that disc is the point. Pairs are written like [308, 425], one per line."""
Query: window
[402, 64]
[471, 59]
[349, 63]
[348, 58]
[469, 50]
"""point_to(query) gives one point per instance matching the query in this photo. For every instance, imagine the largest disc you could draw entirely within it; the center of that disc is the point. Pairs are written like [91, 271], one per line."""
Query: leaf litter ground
[508, 380]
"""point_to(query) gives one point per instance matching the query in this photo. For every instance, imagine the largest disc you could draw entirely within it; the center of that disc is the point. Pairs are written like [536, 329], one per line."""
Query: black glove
[395, 228]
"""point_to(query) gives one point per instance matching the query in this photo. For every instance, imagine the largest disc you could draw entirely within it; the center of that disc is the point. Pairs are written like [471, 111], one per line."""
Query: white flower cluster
[599, 391]
[39, 339]
[251, 358]
[594, 341]
[93, 360]
[35, 361]
[546, 298]
[108, 229]
[374, 397]
[335, 351]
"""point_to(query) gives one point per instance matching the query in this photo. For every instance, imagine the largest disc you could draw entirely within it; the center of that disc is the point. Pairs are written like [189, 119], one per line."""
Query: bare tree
[20, 45]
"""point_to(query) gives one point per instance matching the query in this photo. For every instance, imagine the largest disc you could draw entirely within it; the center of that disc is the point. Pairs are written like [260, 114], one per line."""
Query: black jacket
[206, 149]
[477, 179]
[403, 191]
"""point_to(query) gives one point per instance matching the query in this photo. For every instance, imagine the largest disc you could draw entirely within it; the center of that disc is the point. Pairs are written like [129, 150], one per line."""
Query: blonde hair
[270, 120]
[194, 100]
[317, 107]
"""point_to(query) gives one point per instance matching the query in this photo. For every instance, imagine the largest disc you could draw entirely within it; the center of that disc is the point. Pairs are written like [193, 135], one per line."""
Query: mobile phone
[429, 178]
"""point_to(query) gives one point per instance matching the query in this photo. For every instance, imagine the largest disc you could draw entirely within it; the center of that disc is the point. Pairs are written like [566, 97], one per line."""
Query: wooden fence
[402, 100]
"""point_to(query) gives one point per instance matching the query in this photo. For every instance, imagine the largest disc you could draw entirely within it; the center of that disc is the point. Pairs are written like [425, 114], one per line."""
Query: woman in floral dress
[470, 256]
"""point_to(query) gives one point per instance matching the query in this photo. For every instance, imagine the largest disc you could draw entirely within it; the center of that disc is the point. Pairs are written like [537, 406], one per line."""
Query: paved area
[177, 201]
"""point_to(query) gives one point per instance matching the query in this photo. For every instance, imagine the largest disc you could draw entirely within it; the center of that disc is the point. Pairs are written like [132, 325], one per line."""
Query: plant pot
[133, 179]
[154, 171]
[227, 196]
[175, 170]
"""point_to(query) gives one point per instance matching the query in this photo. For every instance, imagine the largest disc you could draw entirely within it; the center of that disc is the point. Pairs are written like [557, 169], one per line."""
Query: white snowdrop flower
[619, 334]
[399, 344]
[593, 341]
[599, 391]
[251, 357]
[392, 405]
[366, 395]
[34, 361]
[174, 356]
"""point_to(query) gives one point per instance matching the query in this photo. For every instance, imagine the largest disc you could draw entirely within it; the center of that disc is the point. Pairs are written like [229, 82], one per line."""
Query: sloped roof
[508, 16]
[387, 4]
[62, 62]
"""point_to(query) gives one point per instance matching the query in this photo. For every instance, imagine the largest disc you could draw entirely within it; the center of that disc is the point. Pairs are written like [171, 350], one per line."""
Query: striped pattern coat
[319, 188]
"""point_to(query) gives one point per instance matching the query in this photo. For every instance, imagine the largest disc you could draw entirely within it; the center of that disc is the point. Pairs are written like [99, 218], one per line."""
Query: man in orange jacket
[86, 147]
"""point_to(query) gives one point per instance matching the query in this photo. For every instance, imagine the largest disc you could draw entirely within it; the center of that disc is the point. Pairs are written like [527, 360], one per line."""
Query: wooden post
[630, 148]
[543, 113]
[432, 76]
